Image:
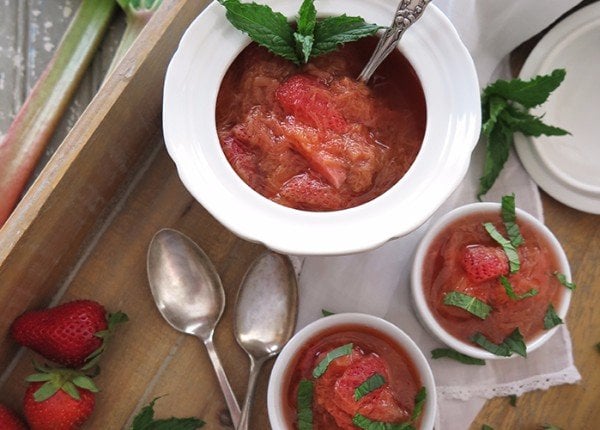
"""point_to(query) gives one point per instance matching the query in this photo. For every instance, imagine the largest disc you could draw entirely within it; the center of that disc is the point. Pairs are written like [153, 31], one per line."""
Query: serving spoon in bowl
[265, 315]
[189, 295]
[408, 12]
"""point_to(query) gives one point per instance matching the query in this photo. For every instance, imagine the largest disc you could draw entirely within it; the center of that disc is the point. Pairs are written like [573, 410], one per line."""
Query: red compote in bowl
[350, 371]
[303, 158]
[485, 290]
[313, 137]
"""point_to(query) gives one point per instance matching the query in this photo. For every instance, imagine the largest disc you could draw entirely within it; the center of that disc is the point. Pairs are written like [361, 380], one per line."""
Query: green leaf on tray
[510, 292]
[469, 303]
[504, 106]
[305, 402]
[331, 355]
[326, 313]
[371, 384]
[507, 246]
[144, 420]
[509, 218]
[312, 37]
[455, 355]
[563, 280]
[551, 319]
[512, 400]
[486, 427]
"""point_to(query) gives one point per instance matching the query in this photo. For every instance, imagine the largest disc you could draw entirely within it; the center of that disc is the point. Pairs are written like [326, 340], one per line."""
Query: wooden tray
[83, 229]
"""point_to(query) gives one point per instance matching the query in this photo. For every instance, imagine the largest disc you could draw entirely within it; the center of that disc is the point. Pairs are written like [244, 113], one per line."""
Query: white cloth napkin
[377, 282]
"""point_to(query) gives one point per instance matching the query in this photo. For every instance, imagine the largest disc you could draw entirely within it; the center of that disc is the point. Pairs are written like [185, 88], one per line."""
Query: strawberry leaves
[504, 112]
[311, 38]
[113, 321]
[67, 380]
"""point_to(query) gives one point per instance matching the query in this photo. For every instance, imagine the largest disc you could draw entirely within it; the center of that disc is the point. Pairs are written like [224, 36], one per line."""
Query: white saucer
[568, 167]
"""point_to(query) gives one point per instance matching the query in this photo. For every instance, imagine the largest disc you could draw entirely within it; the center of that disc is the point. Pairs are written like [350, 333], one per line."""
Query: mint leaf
[307, 18]
[529, 93]
[509, 218]
[469, 303]
[516, 343]
[266, 27]
[499, 142]
[419, 403]
[144, 420]
[326, 313]
[503, 107]
[563, 280]
[332, 355]
[501, 349]
[530, 125]
[304, 46]
[455, 355]
[510, 292]
[371, 384]
[486, 427]
[509, 249]
[551, 319]
[365, 423]
[512, 400]
[305, 401]
[336, 30]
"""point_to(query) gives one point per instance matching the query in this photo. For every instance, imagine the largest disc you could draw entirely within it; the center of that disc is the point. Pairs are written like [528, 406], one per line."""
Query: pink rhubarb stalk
[37, 119]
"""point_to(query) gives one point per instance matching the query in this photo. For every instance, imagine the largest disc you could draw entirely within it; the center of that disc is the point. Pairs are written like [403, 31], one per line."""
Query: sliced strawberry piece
[484, 262]
[241, 159]
[378, 405]
[310, 102]
[308, 192]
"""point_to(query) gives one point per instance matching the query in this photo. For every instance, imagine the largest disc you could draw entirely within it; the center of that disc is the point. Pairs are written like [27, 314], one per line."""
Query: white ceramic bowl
[278, 382]
[418, 297]
[451, 89]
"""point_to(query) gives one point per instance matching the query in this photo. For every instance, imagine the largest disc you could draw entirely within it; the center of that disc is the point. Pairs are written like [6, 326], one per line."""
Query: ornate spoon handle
[407, 13]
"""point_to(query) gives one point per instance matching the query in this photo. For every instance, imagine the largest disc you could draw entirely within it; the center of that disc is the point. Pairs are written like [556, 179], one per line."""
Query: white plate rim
[557, 185]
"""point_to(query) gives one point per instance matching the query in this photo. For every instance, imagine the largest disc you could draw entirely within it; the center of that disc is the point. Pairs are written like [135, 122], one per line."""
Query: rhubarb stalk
[137, 14]
[37, 119]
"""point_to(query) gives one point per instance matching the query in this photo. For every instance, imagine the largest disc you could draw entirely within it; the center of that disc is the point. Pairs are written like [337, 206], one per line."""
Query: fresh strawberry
[58, 399]
[9, 419]
[484, 262]
[68, 334]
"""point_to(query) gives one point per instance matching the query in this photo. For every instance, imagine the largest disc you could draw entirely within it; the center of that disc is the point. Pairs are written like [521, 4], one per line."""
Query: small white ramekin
[418, 297]
[278, 383]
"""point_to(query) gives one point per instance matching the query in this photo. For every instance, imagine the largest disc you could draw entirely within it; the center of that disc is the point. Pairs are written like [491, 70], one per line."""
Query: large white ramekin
[451, 89]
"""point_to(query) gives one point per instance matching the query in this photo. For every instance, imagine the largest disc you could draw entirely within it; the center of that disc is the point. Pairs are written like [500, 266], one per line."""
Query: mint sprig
[144, 420]
[505, 107]
[457, 356]
[312, 37]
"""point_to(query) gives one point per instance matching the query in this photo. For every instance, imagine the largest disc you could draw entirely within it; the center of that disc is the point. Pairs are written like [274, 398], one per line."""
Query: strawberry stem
[37, 119]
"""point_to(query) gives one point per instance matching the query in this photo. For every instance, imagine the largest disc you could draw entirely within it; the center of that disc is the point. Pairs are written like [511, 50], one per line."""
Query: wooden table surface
[149, 359]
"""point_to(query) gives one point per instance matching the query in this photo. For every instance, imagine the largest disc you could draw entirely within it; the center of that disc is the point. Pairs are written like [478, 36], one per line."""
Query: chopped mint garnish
[469, 303]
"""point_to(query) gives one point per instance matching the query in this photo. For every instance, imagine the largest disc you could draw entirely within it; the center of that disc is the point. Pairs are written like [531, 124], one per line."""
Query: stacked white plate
[568, 167]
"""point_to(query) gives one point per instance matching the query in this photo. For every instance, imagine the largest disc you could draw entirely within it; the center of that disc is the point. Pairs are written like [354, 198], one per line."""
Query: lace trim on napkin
[569, 375]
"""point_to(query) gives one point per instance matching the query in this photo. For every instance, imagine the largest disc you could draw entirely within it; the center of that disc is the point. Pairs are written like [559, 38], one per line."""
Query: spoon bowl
[265, 315]
[189, 295]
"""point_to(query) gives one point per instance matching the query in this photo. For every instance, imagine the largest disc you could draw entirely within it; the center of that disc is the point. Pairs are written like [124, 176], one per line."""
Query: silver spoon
[408, 12]
[189, 295]
[265, 315]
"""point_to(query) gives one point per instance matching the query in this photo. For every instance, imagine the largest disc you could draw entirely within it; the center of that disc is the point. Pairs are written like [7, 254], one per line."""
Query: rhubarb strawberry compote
[494, 279]
[313, 137]
[353, 377]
